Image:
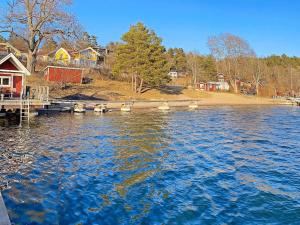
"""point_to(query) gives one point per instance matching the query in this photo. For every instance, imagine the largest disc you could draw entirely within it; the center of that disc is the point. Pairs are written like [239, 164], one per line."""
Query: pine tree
[93, 41]
[86, 41]
[177, 60]
[142, 56]
[208, 68]
[2, 39]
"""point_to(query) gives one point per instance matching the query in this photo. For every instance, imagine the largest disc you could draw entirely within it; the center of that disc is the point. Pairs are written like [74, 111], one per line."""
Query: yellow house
[62, 56]
[88, 57]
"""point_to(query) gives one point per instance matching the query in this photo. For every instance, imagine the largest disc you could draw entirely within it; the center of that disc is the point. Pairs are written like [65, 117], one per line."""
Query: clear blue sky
[270, 26]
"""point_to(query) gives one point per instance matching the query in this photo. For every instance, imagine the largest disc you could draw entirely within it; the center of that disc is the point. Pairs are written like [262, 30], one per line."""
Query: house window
[5, 81]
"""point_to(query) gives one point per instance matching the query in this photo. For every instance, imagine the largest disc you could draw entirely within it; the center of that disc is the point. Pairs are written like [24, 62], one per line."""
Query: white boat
[79, 108]
[165, 106]
[33, 114]
[100, 108]
[126, 108]
[193, 105]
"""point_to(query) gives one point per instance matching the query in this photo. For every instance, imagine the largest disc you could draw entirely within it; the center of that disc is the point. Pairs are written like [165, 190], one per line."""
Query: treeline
[141, 58]
[135, 59]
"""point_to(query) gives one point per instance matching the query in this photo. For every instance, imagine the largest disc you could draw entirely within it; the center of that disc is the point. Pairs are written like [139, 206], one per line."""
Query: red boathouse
[12, 76]
[63, 74]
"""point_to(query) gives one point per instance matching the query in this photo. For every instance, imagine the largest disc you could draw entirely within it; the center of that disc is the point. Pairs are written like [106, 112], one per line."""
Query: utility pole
[291, 74]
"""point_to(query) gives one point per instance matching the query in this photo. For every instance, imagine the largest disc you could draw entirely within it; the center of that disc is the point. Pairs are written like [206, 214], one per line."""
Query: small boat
[165, 106]
[33, 114]
[79, 108]
[2, 114]
[193, 105]
[100, 108]
[126, 107]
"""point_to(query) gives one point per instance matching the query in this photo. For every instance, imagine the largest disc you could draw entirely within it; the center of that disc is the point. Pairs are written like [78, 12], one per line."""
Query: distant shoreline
[140, 104]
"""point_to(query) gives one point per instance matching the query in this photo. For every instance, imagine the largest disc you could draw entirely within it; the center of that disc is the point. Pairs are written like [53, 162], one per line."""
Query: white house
[222, 85]
[173, 74]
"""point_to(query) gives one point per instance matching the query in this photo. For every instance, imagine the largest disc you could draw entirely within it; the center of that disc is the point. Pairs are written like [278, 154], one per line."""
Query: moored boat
[193, 105]
[100, 108]
[79, 108]
[165, 106]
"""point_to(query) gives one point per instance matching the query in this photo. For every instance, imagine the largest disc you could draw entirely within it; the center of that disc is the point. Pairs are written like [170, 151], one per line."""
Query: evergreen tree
[2, 39]
[208, 68]
[177, 59]
[143, 57]
[93, 41]
[87, 40]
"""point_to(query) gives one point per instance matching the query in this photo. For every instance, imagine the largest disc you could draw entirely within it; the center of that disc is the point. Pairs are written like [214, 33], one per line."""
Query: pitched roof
[71, 52]
[92, 49]
[5, 46]
[13, 59]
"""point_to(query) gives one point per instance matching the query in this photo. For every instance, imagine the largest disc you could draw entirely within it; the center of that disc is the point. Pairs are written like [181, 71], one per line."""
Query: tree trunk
[132, 82]
[31, 60]
[257, 88]
[141, 86]
[234, 85]
[135, 83]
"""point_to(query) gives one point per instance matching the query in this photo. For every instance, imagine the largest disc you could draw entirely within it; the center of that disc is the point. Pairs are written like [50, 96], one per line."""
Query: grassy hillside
[106, 89]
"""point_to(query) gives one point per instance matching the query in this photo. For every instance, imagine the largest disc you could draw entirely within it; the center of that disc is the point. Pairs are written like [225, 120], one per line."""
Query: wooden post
[21, 100]
[4, 218]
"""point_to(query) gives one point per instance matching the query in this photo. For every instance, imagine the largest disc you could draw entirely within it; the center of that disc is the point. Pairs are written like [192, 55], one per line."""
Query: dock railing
[40, 93]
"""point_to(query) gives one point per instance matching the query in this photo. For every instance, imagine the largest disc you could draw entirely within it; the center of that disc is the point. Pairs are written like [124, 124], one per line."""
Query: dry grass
[116, 90]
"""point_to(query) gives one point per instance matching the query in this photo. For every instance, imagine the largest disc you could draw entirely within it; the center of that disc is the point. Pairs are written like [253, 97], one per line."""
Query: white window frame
[1, 80]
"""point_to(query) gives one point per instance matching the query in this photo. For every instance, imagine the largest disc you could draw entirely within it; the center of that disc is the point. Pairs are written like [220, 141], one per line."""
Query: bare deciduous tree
[193, 63]
[37, 20]
[230, 51]
[258, 72]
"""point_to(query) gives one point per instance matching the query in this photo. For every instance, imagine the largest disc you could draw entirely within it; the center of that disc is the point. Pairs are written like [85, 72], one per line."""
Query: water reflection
[138, 155]
[210, 166]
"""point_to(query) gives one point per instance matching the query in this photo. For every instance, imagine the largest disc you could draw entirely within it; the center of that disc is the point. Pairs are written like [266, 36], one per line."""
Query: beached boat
[126, 107]
[79, 108]
[165, 106]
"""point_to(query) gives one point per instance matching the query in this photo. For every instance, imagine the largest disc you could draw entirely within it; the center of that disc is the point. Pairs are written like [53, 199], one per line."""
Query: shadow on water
[13, 121]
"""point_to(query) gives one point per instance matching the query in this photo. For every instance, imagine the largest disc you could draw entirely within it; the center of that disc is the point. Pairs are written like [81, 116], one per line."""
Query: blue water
[216, 165]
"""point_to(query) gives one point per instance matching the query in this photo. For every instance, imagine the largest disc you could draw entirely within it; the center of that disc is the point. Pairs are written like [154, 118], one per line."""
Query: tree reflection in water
[139, 154]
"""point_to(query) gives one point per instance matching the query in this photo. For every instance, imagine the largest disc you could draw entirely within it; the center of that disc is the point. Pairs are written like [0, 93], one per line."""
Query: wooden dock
[135, 104]
[4, 218]
[15, 103]
[35, 99]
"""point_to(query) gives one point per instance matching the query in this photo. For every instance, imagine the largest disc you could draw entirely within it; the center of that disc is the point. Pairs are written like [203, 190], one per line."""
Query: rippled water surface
[216, 165]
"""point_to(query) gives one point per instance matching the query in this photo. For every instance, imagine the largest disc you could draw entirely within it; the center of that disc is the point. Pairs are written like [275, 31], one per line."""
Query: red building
[63, 74]
[12, 76]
